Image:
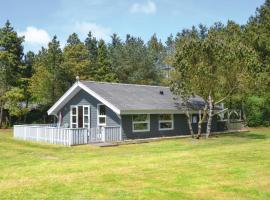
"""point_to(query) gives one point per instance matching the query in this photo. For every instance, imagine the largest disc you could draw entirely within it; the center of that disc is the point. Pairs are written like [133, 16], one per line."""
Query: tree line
[222, 63]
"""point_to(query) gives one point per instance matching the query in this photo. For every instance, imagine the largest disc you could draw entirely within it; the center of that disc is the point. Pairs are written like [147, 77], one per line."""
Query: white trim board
[72, 92]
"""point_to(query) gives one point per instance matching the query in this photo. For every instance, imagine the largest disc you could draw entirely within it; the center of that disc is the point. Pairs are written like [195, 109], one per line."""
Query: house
[138, 111]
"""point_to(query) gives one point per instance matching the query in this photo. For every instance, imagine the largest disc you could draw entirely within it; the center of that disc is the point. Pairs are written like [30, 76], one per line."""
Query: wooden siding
[180, 127]
[83, 98]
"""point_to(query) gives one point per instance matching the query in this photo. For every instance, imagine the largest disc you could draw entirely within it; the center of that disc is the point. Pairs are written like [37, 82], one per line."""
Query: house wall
[180, 120]
[180, 127]
[83, 98]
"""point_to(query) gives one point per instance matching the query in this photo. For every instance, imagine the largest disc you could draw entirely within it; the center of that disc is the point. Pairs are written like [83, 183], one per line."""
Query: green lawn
[235, 166]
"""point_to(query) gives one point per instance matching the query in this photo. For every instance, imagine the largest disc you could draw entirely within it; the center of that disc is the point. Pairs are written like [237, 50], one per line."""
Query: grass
[234, 166]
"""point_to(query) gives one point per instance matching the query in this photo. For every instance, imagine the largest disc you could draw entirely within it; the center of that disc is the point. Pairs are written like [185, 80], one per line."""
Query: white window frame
[165, 121]
[77, 116]
[193, 117]
[141, 122]
[72, 115]
[98, 115]
[88, 124]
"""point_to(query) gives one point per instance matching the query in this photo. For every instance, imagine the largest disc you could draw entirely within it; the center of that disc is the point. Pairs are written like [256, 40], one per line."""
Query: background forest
[31, 82]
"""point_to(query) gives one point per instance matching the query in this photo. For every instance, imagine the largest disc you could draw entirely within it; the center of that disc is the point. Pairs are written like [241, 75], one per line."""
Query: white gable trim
[98, 97]
[72, 92]
[68, 93]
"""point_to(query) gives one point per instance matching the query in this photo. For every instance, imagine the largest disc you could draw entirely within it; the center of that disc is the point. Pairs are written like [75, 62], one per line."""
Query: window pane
[140, 126]
[101, 120]
[86, 126]
[164, 125]
[102, 110]
[85, 110]
[86, 119]
[73, 111]
[73, 125]
[194, 119]
[74, 119]
[139, 118]
[165, 117]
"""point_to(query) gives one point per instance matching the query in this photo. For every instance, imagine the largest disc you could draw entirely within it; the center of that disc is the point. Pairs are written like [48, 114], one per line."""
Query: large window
[165, 122]
[101, 115]
[140, 123]
[80, 116]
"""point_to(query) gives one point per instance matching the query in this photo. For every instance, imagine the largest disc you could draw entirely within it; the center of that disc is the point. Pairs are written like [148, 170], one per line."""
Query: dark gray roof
[140, 97]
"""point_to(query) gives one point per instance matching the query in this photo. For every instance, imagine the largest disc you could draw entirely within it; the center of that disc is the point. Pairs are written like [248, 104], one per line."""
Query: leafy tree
[14, 98]
[213, 67]
[48, 82]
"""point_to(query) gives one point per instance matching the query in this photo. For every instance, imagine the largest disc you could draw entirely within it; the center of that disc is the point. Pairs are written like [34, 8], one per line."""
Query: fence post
[24, 133]
[103, 133]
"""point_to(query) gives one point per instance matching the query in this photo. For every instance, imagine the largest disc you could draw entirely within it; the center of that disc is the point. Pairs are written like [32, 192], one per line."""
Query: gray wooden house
[134, 111]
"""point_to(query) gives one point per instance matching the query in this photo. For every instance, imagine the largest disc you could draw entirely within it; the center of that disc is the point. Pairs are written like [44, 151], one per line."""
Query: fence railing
[112, 133]
[235, 125]
[66, 136]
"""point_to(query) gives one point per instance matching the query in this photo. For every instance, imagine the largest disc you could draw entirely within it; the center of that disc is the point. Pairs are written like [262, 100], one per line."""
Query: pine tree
[104, 69]
[73, 39]
[48, 82]
[10, 61]
[76, 60]
[91, 45]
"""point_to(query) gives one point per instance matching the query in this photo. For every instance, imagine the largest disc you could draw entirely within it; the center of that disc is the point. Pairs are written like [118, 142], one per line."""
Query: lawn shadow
[248, 135]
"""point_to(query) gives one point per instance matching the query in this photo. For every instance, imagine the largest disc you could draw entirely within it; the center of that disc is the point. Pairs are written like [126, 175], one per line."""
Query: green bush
[258, 111]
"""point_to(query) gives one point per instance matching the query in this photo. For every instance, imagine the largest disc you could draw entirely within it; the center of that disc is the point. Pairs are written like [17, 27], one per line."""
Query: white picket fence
[66, 136]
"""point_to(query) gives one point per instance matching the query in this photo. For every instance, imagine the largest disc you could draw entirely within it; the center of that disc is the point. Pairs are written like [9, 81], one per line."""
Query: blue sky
[40, 20]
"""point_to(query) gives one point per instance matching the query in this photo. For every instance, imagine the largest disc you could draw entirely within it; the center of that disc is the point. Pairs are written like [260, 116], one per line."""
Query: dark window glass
[102, 110]
[139, 118]
[165, 125]
[140, 126]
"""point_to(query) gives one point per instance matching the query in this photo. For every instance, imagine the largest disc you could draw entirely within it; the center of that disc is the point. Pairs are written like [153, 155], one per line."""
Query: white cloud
[98, 31]
[35, 36]
[147, 8]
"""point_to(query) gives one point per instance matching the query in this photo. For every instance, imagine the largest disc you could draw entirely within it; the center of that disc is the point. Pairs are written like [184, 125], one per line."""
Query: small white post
[103, 133]
[24, 132]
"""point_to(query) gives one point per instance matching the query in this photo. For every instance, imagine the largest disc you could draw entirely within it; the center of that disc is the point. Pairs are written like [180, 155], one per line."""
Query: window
[80, 116]
[101, 115]
[166, 122]
[194, 119]
[86, 116]
[140, 123]
[74, 116]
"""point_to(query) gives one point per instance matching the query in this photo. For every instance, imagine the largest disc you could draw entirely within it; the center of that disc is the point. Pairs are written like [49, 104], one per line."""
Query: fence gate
[95, 135]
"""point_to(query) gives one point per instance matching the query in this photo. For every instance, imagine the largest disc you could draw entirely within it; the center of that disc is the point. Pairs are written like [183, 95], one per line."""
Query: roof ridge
[112, 83]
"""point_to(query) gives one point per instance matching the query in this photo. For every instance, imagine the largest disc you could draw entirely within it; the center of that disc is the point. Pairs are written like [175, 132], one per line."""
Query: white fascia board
[98, 97]
[71, 90]
[128, 112]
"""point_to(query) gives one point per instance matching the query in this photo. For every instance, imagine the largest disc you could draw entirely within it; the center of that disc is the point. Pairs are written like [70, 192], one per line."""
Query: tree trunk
[210, 116]
[189, 124]
[201, 121]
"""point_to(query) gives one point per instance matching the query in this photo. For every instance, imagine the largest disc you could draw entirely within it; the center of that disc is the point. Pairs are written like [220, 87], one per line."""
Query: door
[80, 116]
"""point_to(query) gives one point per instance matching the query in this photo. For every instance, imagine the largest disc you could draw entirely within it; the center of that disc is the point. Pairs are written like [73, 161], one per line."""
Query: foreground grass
[235, 166]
